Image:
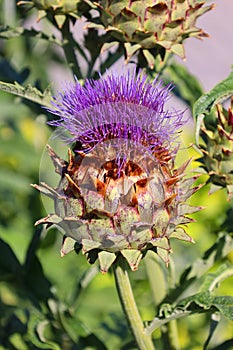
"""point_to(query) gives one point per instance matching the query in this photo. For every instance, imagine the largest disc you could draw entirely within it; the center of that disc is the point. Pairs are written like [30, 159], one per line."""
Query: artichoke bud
[119, 191]
[59, 9]
[152, 27]
[217, 151]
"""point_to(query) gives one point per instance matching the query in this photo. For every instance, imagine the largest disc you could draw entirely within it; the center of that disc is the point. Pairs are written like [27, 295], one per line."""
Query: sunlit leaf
[219, 93]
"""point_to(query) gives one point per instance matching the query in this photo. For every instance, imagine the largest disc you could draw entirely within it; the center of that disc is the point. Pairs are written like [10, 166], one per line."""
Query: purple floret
[124, 106]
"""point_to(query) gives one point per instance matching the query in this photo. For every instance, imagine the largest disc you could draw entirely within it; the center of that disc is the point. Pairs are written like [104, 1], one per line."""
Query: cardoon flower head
[120, 192]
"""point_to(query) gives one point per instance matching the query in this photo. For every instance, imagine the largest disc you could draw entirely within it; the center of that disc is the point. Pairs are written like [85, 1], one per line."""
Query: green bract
[59, 8]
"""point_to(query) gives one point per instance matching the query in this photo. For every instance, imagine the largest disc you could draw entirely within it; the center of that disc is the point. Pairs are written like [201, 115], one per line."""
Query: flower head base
[120, 192]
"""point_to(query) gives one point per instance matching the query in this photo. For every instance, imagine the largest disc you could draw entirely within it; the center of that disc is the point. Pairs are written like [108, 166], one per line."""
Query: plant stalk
[143, 340]
[68, 48]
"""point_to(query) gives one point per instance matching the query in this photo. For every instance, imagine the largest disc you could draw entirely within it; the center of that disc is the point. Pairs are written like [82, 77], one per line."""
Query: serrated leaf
[29, 92]
[205, 301]
[111, 58]
[219, 93]
[197, 303]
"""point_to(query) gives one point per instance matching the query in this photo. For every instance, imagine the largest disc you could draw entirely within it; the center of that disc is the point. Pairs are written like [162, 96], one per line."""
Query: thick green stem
[144, 341]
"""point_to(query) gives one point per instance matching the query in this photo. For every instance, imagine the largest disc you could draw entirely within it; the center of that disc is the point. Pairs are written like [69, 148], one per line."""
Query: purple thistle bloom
[118, 107]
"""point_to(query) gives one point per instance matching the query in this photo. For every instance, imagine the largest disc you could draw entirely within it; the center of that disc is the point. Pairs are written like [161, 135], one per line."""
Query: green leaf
[85, 280]
[9, 264]
[225, 305]
[37, 328]
[222, 247]
[39, 287]
[226, 345]
[91, 341]
[73, 326]
[29, 92]
[202, 302]
[197, 303]
[215, 318]
[9, 73]
[219, 93]
[187, 87]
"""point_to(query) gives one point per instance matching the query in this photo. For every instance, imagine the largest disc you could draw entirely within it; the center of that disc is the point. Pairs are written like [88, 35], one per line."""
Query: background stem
[129, 306]
[68, 48]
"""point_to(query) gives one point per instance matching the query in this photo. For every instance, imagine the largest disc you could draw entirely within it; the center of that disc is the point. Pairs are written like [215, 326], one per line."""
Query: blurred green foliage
[49, 302]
